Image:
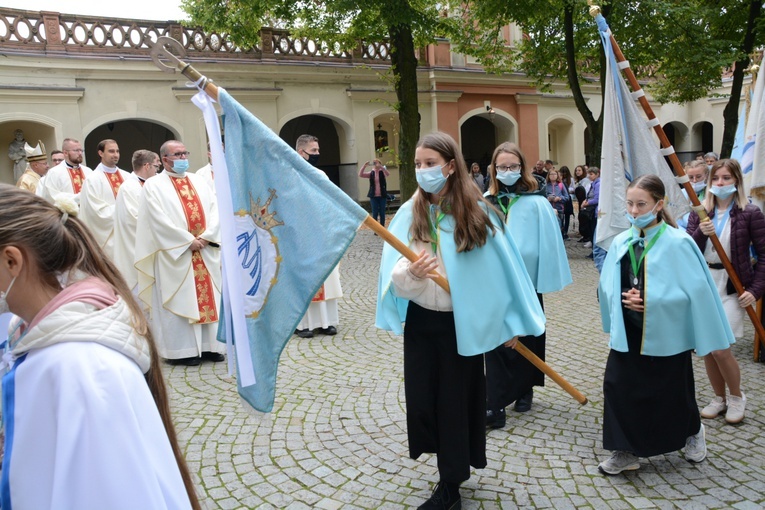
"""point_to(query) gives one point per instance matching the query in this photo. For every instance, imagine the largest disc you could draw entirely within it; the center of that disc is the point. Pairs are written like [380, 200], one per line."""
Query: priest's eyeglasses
[181, 154]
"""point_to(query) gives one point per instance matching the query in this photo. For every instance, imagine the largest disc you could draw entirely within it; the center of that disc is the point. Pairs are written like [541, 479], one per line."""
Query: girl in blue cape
[459, 235]
[534, 226]
[658, 302]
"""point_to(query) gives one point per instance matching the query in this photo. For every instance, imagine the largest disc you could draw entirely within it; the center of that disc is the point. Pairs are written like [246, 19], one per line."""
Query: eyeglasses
[181, 154]
[512, 168]
[72, 150]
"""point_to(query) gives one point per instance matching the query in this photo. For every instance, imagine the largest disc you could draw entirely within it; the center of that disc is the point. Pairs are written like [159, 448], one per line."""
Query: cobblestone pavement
[337, 436]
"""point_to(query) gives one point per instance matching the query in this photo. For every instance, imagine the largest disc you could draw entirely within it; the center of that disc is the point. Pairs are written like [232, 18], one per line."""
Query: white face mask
[3, 301]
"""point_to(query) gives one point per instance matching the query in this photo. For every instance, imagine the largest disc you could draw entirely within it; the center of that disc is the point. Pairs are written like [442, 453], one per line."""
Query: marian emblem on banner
[258, 253]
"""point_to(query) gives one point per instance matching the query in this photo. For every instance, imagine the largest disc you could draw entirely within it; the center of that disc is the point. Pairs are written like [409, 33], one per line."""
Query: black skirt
[445, 395]
[509, 375]
[649, 401]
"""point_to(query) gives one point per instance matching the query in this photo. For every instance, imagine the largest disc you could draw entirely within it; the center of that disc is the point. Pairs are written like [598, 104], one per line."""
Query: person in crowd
[456, 233]
[99, 195]
[85, 408]
[378, 187]
[697, 173]
[710, 158]
[64, 181]
[568, 205]
[654, 274]
[557, 195]
[539, 169]
[740, 227]
[178, 260]
[478, 177]
[56, 158]
[531, 222]
[581, 187]
[38, 167]
[323, 313]
[590, 205]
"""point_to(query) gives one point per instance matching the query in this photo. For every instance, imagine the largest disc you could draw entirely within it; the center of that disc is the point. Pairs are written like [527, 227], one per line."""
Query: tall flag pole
[669, 151]
[285, 227]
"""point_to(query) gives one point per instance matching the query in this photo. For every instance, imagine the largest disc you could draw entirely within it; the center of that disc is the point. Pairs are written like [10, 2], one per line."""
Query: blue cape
[534, 227]
[683, 310]
[492, 295]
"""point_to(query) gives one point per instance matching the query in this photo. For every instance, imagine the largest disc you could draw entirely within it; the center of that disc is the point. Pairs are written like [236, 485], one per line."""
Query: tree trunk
[730, 114]
[404, 64]
[594, 127]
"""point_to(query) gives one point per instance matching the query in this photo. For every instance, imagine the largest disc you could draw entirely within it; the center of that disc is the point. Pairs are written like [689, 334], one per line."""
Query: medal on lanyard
[636, 263]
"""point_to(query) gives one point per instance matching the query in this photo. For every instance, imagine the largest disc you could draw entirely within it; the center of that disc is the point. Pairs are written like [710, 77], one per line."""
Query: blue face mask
[3, 295]
[723, 192]
[431, 180]
[180, 166]
[698, 186]
[508, 177]
[643, 220]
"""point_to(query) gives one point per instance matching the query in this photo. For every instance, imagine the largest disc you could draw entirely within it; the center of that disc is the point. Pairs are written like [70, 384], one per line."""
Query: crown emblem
[260, 214]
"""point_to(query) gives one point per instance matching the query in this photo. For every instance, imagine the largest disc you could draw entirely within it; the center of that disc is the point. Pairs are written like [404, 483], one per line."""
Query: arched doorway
[479, 139]
[678, 135]
[33, 132]
[702, 137]
[131, 135]
[324, 129]
[560, 141]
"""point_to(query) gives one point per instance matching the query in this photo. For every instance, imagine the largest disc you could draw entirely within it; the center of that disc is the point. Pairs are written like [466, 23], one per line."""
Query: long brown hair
[654, 186]
[527, 182]
[55, 247]
[461, 199]
[735, 170]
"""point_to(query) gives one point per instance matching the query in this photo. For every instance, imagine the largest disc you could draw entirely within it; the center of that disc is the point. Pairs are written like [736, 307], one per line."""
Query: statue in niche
[17, 154]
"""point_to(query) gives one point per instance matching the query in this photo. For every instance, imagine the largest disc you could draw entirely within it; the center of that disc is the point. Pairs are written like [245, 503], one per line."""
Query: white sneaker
[736, 407]
[696, 446]
[619, 461]
[714, 408]
[588, 244]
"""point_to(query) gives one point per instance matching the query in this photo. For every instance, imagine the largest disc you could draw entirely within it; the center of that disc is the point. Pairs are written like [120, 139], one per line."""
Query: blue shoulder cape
[534, 227]
[683, 310]
[492, 295]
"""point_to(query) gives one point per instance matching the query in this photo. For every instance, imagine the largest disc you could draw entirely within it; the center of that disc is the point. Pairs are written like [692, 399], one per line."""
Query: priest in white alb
[65, 180]
[145, 165]
[178, 260]
[99, 195]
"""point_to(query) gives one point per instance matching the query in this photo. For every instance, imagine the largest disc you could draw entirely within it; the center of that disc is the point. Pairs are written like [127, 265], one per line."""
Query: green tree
[678, 48]
[406, 24]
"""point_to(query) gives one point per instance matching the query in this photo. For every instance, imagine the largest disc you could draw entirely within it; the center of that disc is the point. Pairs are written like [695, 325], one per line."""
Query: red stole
[115, 181]
[76, 175]
[196, 223]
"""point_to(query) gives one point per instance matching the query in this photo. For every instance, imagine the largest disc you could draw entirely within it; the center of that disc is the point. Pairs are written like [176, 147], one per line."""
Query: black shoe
[495, 419]
[446, 496]
[188, 362]
[331, 331]
[523, 404]
[304, 333]
[582, 240]
[590, 256]
[213, 356]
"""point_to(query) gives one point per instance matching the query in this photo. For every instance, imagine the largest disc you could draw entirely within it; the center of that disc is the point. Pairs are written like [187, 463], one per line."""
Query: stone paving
[337, 435]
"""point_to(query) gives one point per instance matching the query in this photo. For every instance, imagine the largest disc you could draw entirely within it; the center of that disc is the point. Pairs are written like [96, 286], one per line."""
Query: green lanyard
[510, 203]
[434, 231]
[636, 263]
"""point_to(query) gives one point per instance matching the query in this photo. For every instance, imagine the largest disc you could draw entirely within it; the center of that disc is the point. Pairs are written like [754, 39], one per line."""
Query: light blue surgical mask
[180, 166]
[643, 220]
[723, 192]
[508, 177]
[3, 295]
[431, 180]
[698, 186]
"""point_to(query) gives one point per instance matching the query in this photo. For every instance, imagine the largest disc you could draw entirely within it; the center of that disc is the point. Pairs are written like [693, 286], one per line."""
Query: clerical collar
[175, 175]
[140, 178]
[108, 170]
[71, 166]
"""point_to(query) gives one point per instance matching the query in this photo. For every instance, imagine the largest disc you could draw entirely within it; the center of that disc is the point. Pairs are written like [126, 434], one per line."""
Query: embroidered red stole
[115, 181]
[76, 175]
[319, 295]
[195, 219]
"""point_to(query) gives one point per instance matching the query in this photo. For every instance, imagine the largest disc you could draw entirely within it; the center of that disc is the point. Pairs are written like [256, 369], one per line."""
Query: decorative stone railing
[54, 33]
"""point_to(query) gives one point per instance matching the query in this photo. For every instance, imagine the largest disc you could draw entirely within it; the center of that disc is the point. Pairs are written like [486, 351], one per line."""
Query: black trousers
[445, 395]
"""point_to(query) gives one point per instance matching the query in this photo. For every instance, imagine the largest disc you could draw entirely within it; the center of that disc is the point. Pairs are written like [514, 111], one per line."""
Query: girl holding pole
[534, 226]
[739, 226]
[658, 303]
[458, 234]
